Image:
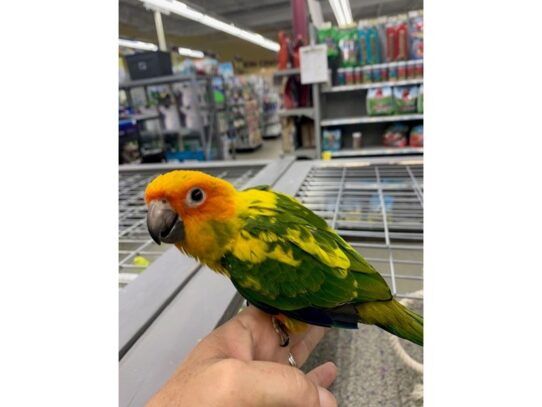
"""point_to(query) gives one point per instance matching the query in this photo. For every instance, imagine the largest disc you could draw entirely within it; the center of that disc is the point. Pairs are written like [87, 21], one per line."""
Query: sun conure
[281, 256]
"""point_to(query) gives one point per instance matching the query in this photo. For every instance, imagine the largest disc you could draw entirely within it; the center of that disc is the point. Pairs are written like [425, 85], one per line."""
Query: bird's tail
[393, 317]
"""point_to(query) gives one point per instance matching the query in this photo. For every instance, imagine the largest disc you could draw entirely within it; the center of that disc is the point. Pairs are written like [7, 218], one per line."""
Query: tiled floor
[370, 374]
[271, 149]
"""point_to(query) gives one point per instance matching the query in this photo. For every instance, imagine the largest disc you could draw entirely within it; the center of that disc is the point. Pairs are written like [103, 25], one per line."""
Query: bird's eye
[195, 197]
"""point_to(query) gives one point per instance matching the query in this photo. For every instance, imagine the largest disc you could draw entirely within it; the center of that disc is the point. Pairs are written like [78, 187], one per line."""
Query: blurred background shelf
[371, 119]
[301, 111]
[376, 151]
[347, 88]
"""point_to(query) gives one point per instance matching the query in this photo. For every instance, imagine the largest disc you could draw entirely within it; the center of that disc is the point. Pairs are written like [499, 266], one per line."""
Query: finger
[323, 375]
[304, 347]
[272, 384]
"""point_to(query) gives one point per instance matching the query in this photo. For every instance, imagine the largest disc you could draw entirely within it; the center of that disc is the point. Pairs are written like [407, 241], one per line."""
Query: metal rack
[375, 204]
[209, 134]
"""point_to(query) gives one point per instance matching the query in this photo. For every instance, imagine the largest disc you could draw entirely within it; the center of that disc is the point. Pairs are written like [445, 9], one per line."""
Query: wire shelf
[378, 209]
[136, 249]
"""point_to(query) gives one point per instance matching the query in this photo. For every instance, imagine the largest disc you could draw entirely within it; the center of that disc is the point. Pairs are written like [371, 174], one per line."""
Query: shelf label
[313, 61]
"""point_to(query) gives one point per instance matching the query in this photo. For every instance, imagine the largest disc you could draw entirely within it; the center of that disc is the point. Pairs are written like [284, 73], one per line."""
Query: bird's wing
[287, 257]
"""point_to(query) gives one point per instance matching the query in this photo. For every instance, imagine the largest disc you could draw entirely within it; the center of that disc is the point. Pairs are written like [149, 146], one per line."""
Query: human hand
[241, 364]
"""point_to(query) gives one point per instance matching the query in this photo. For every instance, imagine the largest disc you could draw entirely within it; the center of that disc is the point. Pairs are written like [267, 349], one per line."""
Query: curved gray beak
[163, 222]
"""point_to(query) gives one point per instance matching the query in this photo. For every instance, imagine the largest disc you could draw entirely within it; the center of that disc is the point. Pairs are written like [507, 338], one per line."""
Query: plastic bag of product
[396, 136]
[416, 136]
[406, 99]
[347, 40]
[328, 35]
[380, 101]
[420, 100]
[415, 21]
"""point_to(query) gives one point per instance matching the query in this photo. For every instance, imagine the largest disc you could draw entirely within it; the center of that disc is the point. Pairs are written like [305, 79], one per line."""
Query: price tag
[313, 61]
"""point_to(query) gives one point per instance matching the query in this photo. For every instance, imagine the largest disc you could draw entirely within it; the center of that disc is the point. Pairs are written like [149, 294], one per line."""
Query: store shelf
[287, 72]
[303, 111]
[247, 147]
[370, 119]
[348, 88]
[376, 151]
[141, 117]
[160, 80]
[304, 152]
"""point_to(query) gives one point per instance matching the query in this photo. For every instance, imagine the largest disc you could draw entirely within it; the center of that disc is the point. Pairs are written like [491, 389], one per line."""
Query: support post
[160, 31]
[299, 19]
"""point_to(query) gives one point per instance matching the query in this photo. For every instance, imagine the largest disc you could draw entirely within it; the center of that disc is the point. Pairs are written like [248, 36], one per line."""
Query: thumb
[322, 376]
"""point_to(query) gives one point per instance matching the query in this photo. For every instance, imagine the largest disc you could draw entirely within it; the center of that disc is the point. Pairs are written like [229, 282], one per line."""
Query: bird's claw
[282, 332]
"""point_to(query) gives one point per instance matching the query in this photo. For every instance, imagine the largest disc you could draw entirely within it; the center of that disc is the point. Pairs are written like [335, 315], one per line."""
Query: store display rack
[209, 138]
[349, 88]
[371, 119]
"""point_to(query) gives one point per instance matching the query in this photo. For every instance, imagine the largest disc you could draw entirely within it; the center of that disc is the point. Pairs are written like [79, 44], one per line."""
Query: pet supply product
[405, 99]
[420, 100]
[356, 140]
[402, 41]
[396, 136]
[416, 34]
[416, 136]
[347, 41]
[331, 140]
[380, 101]
[392, 71]
[358, 74]
[401, 71]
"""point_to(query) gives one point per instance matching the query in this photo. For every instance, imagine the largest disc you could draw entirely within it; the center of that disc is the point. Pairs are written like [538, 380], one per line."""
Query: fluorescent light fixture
[342, 11]
[147, 46]
[190, 52]
[186, 11]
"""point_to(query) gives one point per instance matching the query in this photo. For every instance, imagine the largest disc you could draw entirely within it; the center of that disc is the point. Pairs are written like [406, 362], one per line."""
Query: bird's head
[184, 207]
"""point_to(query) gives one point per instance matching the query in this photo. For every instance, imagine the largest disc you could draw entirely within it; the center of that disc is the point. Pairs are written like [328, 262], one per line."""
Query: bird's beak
[163, 222]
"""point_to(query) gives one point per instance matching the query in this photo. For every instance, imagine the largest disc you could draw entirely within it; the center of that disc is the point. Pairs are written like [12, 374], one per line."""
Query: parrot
[281, 257]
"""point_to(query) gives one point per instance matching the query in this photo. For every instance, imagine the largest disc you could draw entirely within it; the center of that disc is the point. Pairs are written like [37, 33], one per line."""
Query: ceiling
[266, 17]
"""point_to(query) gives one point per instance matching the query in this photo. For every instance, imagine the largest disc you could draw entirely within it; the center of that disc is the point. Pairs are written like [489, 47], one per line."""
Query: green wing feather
[316, 268]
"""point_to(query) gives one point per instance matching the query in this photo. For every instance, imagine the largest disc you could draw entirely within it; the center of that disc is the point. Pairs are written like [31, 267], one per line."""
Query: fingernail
[327, 399]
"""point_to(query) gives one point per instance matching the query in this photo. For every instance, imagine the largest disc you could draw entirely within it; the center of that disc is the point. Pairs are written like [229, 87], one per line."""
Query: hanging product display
[390, 40]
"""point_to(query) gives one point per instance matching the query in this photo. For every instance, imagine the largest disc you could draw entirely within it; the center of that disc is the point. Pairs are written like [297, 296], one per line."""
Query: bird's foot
[282, 332]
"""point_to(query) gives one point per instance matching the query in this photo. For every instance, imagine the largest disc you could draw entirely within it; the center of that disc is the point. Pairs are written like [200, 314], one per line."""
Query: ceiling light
[186, 11]
[190, 52]
[147, 46]
[342, 11]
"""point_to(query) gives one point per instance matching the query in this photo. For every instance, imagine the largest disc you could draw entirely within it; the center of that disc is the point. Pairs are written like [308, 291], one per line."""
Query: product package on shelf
[307, 134]
[331, 139]
[420, 100]
[416, 34]
[347, 41]
[406, 99]
[380, 101]
[416, 136]
[396, 136]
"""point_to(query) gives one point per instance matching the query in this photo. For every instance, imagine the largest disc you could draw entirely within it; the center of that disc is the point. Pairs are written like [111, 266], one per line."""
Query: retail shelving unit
[375, 204]
[209, 136]
[312, 112]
